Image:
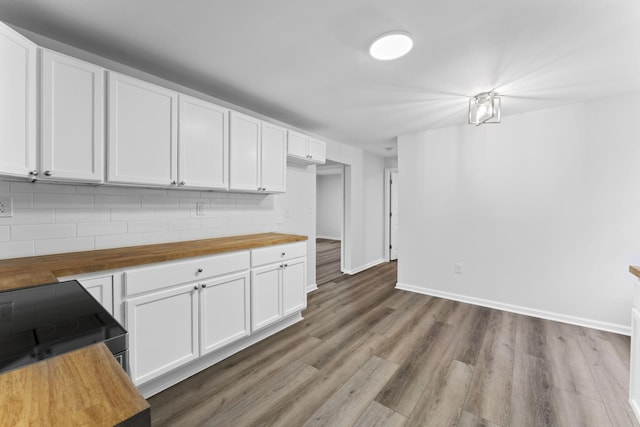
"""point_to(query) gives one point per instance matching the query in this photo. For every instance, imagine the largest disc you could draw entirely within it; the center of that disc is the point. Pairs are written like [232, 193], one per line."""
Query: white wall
[329, 206]
[297, 212]
[541, 211]
[364, 225]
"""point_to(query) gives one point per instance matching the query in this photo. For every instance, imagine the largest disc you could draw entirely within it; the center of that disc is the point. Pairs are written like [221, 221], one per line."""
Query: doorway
[330, 179]
[392, 213]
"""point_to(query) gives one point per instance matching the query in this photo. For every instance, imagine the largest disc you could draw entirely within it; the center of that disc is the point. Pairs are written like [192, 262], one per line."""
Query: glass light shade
[484, 108]
[391, 45]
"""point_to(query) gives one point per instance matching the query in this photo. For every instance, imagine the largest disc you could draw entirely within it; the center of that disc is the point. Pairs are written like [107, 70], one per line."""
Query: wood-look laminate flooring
[367, 354]
[327, 260]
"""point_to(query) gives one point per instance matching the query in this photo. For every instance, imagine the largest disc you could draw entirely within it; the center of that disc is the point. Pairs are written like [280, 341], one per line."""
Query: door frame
[387, 211]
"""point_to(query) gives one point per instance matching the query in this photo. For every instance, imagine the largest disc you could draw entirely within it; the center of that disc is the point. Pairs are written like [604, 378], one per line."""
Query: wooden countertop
[85, 387]
[634, 270]
[30, 271]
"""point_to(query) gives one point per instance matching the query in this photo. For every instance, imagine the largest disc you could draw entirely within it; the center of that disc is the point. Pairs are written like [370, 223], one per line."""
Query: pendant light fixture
[484, 108]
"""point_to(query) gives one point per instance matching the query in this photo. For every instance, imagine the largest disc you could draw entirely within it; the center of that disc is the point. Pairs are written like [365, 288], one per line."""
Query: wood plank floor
[367, 354]
[327, 260]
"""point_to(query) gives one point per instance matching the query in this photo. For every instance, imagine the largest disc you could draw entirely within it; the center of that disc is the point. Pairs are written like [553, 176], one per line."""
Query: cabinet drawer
[278, 253]
[161, 275]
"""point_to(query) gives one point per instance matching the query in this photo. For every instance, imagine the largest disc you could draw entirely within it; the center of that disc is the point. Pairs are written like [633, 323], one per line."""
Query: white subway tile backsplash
[148, 226]
[132, 214]
[160, 237]
[135, 191]
[42, 200]
[118, 240]
[29, 216]
[185, 224]
[82, 215]
[42, 231]
[118, 202]
[56, 218]
[101, 190]
[172, 213]
[101, 228]
[4, 233]
[39, 187]
[54, 246]
[22, 200]
[16, 249]
[160, 202]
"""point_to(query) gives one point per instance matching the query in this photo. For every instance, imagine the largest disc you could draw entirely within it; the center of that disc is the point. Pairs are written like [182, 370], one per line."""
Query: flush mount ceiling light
[484, 108]
[392, 45]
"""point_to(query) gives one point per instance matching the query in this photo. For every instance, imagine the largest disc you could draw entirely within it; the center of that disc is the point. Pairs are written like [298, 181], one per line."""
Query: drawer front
[162, 275]
[272, 254]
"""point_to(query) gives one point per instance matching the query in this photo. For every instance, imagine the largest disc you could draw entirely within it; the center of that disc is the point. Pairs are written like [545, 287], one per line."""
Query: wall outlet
[6, 207]
[199, 208]
[457, 268]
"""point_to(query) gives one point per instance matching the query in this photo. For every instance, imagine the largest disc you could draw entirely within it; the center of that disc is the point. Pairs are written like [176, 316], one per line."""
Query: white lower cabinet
[183, 316]
[224, 311]
[163, 331]
[265, 296]
[278, 283]
[294, 292]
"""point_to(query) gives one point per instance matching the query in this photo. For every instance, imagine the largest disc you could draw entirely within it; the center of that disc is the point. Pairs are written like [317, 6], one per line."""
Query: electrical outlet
[6, 207]
[457, 268]
[6, 310]
[199, 208]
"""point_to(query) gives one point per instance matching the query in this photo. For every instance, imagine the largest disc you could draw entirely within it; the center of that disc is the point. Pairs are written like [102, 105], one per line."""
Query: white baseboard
[311, 288]
[365, 267]
[328, 237]
[558, 317]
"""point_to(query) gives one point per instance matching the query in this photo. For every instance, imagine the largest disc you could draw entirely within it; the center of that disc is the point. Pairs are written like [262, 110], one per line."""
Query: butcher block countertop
[635, 270]
[85, 387]
[23, 272]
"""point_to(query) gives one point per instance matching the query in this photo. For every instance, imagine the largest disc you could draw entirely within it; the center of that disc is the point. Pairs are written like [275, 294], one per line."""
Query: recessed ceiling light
[392, 45]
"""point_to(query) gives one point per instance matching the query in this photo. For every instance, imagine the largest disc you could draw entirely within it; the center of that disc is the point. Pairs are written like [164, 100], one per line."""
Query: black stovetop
[43, 321]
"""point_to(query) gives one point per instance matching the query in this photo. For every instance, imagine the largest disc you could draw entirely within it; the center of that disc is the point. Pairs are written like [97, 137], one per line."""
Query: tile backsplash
[53, 218]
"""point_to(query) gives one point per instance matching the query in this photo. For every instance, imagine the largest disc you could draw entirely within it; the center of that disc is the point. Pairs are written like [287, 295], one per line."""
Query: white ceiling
[306, 62]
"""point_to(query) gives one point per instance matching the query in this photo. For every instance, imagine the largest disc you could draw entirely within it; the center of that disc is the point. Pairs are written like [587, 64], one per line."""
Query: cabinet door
[163, 331]
[224, 311]
[244, 146]
[317, 151]
[203, 145]
[274, 158]
[101, 288]
[142, 132]
[297, 145]
[72, 119]
[265, 296]
[294, 286]
[17, 103]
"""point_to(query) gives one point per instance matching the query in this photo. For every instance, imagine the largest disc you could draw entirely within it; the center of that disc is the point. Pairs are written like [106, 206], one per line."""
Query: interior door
[394, 217]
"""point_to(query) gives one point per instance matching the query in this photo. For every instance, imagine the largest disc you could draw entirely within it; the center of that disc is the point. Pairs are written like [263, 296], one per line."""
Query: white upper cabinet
[258, 155]
[274, 158]
[17, 103]
[203, 145]
[72, 119]
[317, 151]
[244, 160]
[303, 149]
[142, 145]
